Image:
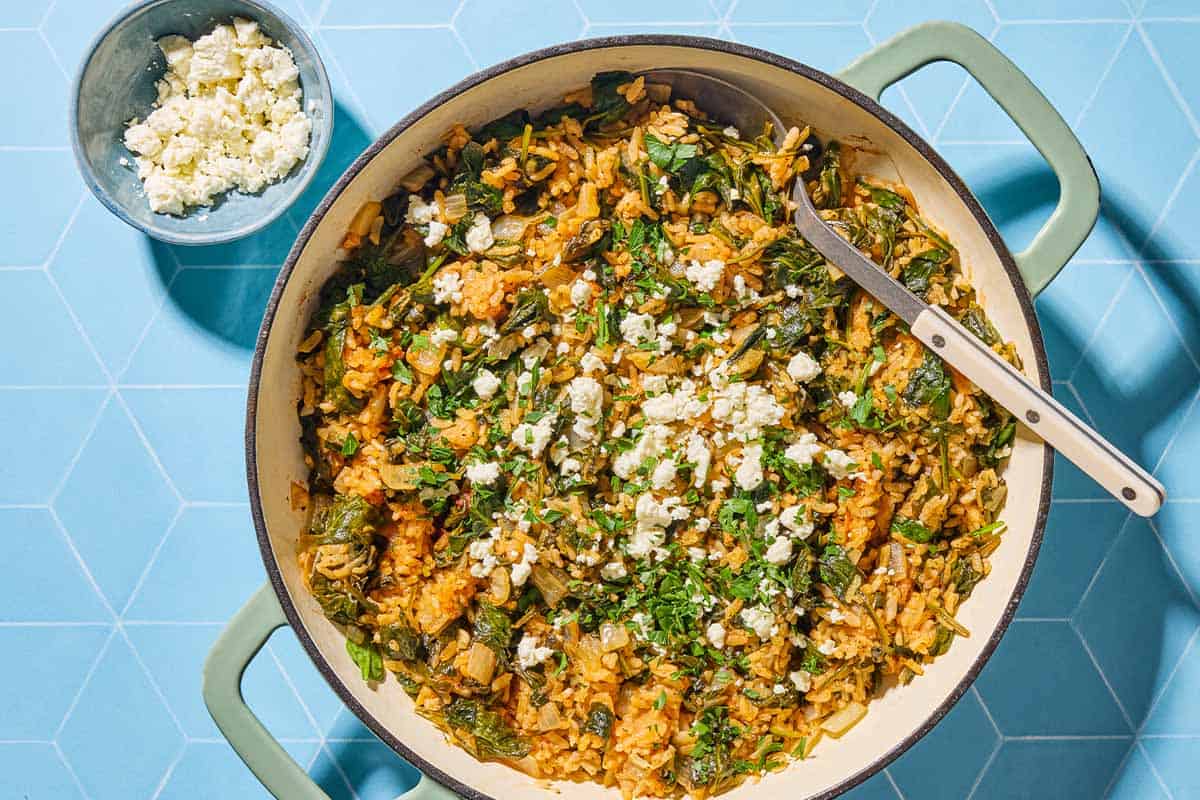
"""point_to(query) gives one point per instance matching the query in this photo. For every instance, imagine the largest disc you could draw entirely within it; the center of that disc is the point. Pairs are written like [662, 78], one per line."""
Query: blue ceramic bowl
[116, 83]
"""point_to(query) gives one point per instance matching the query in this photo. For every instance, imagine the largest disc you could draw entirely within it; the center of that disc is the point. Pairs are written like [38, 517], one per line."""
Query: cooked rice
[513, 386]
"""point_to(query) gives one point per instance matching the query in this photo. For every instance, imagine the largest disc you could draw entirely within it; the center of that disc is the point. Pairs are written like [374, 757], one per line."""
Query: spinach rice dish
[613, 473]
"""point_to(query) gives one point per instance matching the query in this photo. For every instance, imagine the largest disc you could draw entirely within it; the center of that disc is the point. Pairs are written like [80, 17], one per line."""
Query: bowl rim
[307, 169]
[846, 92]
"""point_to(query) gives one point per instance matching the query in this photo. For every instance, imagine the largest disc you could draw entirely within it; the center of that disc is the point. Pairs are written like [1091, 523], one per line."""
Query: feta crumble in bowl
[119, 82]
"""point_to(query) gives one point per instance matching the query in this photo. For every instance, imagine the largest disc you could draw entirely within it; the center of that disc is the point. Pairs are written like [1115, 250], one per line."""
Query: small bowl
[116, 82]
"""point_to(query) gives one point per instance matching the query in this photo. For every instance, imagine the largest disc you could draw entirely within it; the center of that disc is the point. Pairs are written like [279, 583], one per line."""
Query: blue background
[123, 514]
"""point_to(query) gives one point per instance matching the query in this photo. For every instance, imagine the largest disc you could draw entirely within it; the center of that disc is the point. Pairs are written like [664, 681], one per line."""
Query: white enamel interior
[893, 718]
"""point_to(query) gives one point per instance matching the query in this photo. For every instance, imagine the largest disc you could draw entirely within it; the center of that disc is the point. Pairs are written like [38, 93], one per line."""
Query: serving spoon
[931, 324]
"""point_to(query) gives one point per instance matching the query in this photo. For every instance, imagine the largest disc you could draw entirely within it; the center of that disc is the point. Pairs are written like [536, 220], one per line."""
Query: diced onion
[416, 179]
[481, 663]
[509, 226]
[613, 637]
[366, 214]
[551, 582]
[897, 562]
[844, 719]
[501, 586]
[455, 207]
[548, 717]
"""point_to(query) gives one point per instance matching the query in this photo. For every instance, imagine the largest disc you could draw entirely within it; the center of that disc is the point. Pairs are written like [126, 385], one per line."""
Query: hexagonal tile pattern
[210, 556]
[539, 25]
[969, 733]
[48, 425]
[1137, 603]
[182, 426]
[1078, 537]
[116, 520]
[1029, 694]
[215, 316]
[41, 94]
[1136, 181]
[36, 692]
[134, 385]
[1079, 768]
[60, 588]
[63, 357]
[116, 297]
[30, 231]
[33, 770]
[104, 764]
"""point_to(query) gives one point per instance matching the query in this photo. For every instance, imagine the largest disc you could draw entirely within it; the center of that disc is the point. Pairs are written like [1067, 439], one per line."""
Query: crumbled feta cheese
[437, 232]
[698, 454]
[613, 571]
[533, 438]
[654, 384]
[835, 616]
[800, 528]
[485, 473]
[803, 449]
[780, 551]
[715, 633]
[447, 288]
[485, 383]
[827, 647]
[581, 292]
[747, 409]
[732, 132]
[591, 363]
[587, 401]
[530, 653]
[664, 474]
[638, 328]
[801, 680]
[562, 348]
[682, 404]
[521, 569]
[759, 619]
[654, 441]
[479, 235]
[480, 551]
[749, 472]
[839, 464]
[848, 399]
[229, 114]
[706, 276]
[803, 367]
[703, 524]
[443, 336]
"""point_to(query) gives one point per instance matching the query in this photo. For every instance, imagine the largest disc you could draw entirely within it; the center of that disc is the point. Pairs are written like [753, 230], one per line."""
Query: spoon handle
[1039, 412]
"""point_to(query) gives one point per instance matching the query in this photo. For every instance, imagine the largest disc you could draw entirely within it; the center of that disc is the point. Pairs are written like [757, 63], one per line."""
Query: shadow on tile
[223, 289]
[1121, 328]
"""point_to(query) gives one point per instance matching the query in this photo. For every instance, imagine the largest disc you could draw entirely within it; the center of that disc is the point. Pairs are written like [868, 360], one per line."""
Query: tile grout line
[1154, 770]
[87, 679]
[1154, 702]
[1104, 73]
[1095, 334]
[145, 440]
[138, 585]
[70, 770]
[1172, 87]
[1087, 648]
[1169, 205]
[1162, 459]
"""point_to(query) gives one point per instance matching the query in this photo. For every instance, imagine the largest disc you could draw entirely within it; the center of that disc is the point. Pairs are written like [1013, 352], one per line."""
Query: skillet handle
[238, 644]
[1079, 188]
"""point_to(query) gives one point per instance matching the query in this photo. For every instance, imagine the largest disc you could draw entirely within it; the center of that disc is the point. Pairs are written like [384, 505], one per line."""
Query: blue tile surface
[125, 362]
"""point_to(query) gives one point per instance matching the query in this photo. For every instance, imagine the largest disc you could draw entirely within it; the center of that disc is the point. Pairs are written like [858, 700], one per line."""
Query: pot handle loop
[237, 646]
[1079, 188]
